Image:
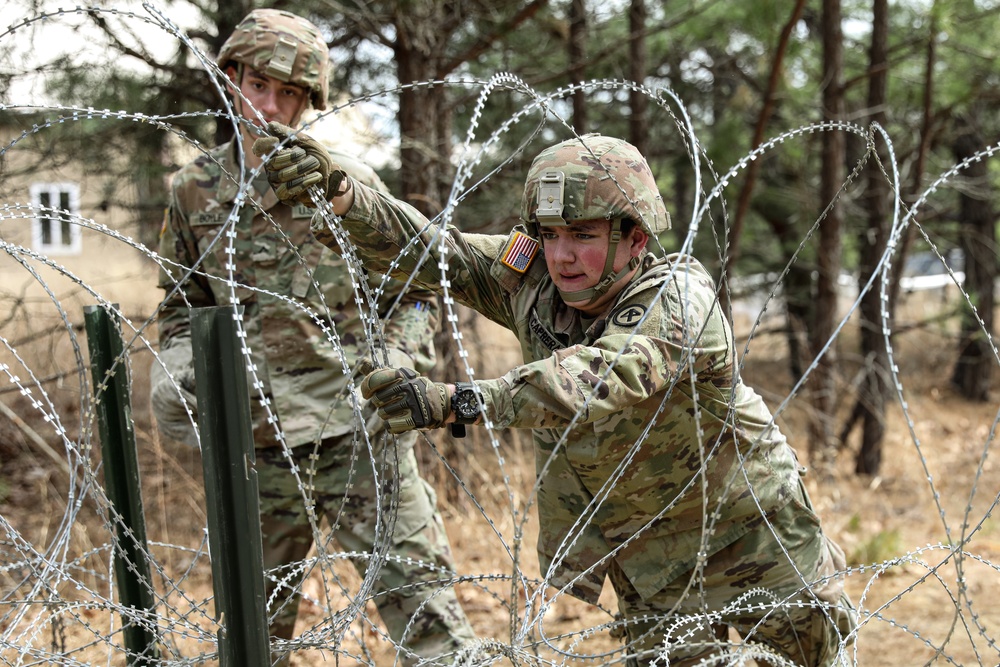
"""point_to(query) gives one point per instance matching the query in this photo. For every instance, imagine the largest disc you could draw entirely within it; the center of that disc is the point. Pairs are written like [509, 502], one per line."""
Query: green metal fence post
[230, 487]
[113, 404]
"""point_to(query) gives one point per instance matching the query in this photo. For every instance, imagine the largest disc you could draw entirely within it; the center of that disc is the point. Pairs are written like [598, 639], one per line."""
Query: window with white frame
[52, 229]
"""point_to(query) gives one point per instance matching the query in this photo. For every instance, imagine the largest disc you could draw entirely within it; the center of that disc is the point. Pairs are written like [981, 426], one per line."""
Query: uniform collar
[229, 188]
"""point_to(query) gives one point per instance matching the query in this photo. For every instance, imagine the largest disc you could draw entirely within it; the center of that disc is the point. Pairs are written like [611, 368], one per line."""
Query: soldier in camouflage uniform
[299, 303]
[659, 468]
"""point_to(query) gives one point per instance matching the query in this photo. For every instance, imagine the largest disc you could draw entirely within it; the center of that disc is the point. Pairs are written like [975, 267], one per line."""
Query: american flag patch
[520, 251]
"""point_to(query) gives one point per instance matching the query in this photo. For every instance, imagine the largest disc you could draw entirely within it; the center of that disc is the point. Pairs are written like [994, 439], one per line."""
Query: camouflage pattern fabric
[284, 46]
[604, 178]
[297, 295]
[755, 586]
[298, 298]
[425, 620]
[670, 457]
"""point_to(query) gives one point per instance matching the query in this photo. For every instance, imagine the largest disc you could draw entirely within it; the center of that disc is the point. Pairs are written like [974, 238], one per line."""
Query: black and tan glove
[406, 400]
[301, 163]
[394, 358]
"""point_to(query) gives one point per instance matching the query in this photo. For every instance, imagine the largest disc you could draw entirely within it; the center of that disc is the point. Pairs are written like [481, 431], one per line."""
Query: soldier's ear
[233, 75]
[638, 241]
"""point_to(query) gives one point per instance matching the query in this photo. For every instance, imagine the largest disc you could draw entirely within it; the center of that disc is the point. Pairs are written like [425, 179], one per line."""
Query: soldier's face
[276, 100]
[575, 257]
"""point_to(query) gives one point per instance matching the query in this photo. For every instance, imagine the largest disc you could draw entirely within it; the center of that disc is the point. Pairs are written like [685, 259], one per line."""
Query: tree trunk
[228, 16]
[874, 388]
[797, 287]
[680, 216]
[638, 123]
[425, 176]
[923, 151]
[974, 367]
[578, 61]
[832, 176]
[423, 153]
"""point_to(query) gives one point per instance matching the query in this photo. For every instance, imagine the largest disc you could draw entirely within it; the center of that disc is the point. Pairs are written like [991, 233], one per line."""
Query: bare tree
[638, 123]
[421, 37]
[874, 388]
[977, 233]
[927, 132]
[832, 175]
[578, 61]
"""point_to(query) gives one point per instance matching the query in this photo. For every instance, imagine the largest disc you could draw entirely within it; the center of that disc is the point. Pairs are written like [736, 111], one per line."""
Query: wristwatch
[465, 406]
[464, 403]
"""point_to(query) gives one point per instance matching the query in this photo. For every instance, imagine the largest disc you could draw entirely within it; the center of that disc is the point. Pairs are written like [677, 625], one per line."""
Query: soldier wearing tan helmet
[284, 46]
[304, 329]
[659, 469]
[563, 187]
[278, 65]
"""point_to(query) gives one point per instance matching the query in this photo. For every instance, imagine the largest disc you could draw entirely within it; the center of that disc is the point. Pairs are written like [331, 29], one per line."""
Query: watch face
[464, 404]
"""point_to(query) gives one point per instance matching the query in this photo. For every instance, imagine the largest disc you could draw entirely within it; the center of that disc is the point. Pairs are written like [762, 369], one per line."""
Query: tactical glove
[302, 163]
[406, 400]
[395, 358]
[172, 393]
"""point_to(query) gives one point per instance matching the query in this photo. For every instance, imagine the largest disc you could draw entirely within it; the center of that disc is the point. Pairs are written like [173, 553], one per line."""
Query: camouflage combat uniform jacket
[647, 442]
[280, 271]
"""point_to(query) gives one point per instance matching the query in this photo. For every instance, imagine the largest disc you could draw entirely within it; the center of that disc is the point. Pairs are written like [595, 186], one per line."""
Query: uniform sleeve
[178, 250]
[589, 382]
[172, 395]
[358, 170]
[682, 344]
[392, 236]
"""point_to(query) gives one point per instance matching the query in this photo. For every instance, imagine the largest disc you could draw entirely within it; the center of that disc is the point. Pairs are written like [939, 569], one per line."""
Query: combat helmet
[594, 177]
[282, 45]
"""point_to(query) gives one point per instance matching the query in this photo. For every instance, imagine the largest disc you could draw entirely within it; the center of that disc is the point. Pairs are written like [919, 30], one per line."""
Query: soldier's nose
[559, 250]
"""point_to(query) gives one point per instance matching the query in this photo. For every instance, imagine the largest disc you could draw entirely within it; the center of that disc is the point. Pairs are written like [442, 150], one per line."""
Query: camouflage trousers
[782, 600]
[409, 544]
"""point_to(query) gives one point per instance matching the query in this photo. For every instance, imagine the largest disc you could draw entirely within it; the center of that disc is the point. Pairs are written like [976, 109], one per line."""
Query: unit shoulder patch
[628, 316]
[520, 252]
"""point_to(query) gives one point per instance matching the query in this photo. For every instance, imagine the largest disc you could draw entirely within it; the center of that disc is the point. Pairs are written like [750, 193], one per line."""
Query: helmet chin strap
[610, 277]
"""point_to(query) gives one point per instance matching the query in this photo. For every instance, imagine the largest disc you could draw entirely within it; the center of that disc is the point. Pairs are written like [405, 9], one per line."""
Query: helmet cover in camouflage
[284, 46]
[590, 178]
